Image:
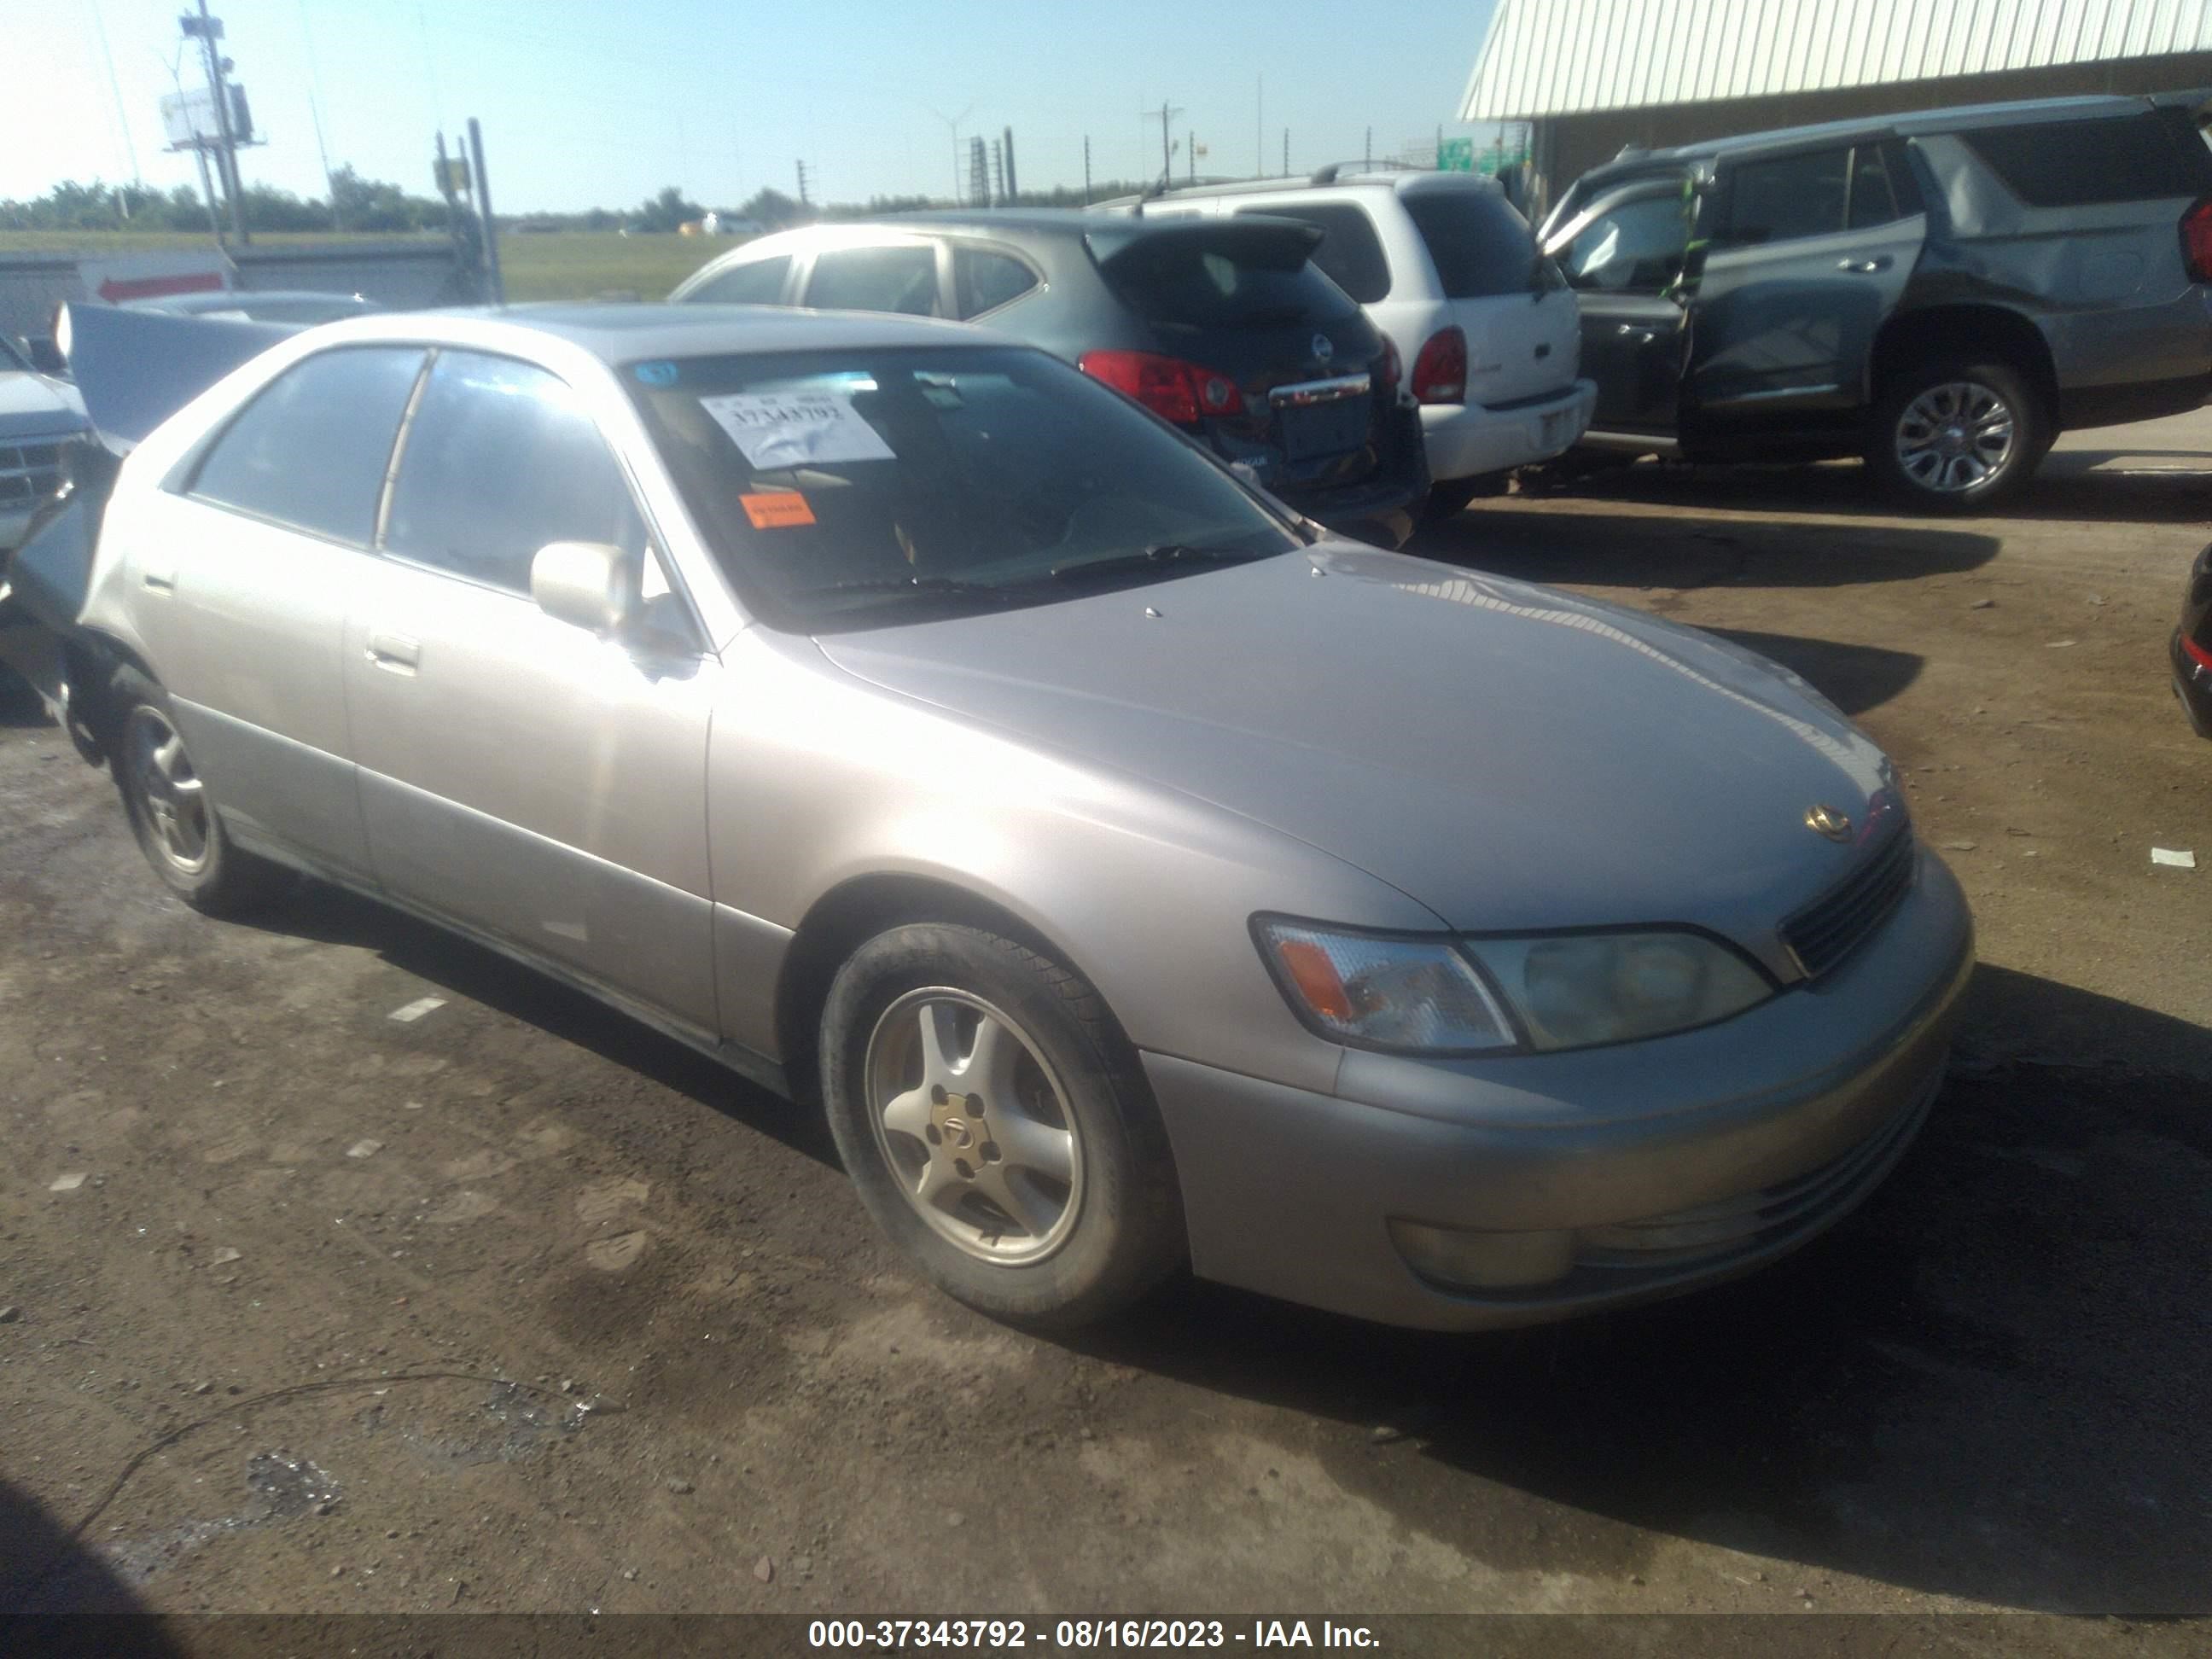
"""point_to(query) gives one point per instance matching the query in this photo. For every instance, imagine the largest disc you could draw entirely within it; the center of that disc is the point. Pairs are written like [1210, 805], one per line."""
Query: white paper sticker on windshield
[796, 428]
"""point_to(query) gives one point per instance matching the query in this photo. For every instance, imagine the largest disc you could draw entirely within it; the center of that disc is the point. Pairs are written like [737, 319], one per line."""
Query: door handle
[395, 651]
[1864, 267]
[158, 573]
[1641, 336]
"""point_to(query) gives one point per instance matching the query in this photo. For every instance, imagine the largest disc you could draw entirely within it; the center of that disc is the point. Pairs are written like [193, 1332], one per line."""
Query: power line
[115, 86]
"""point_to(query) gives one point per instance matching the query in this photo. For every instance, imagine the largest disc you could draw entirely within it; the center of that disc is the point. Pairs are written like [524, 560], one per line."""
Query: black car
[2192, 646]
[1224, 328]
[1942, 293]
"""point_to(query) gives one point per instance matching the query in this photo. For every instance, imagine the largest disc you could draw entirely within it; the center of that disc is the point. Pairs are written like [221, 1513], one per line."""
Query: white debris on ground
[415, 1010]
[2180, 860]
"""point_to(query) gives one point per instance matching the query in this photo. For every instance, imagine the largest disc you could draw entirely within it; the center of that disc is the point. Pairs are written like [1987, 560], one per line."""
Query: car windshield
[9, 357]
[854, 489]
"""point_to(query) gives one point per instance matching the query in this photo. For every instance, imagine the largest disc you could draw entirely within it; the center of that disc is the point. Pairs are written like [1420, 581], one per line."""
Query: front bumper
[1676, 1163]
[1465, 439]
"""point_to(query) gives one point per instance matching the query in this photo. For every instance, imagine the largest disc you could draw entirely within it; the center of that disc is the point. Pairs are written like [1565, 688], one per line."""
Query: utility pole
[952, 125]
[209, 31]
[1013, 189]
[1259, 126]
[1370, 146]
[803, 202]
[483, 206]
[998, 174]
[1166, 112]
[1086, 169]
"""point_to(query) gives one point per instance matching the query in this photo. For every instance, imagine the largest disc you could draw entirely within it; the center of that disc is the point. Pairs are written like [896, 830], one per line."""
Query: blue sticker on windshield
[662, 374]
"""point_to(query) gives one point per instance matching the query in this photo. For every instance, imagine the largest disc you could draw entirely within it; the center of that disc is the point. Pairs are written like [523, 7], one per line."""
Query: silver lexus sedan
[1134, 875]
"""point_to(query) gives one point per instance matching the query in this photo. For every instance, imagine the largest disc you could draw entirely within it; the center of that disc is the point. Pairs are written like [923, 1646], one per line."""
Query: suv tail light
[1392, 369]
[1440, 371]
[1172, 388]
[2196, 241]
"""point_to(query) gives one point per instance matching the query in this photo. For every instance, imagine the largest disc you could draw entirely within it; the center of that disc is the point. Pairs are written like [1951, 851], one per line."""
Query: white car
[1446, 267]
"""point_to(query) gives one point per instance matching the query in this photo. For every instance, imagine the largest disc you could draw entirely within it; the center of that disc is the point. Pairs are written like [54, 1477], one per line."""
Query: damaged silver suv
[1942, 293]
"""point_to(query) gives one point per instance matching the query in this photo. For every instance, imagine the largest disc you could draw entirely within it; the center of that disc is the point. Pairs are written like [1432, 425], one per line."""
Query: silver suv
[1446, 267]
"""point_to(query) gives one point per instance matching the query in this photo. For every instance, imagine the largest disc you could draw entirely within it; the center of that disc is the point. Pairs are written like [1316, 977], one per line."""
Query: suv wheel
[997, 1126]
[176, 824]
[1958, 436]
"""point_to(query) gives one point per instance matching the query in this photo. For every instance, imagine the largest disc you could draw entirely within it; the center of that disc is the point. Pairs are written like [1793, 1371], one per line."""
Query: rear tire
[1957, 435]
[1026, 1173]
[176, 820]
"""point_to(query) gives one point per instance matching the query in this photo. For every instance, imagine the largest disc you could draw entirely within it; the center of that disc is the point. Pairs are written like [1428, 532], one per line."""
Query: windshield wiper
[1154, 556]
[905, 585]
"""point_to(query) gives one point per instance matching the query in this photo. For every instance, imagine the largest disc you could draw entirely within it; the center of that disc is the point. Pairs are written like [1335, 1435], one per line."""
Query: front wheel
[1957, 437]
[997, 1126]
[167, 801]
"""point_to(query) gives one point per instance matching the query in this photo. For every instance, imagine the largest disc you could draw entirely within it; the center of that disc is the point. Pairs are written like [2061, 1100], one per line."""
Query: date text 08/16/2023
[992, 1635]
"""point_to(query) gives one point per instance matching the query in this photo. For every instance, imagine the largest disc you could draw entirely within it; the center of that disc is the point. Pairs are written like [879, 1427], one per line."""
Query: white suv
[1447, 269]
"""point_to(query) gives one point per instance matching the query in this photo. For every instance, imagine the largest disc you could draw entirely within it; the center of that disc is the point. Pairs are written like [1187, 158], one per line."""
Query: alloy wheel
[175, 798]
[1954, 436]
[974, 1126]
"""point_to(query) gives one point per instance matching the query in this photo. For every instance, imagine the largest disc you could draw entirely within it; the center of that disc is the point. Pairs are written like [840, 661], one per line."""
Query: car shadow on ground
[1985, 1383]
[1536, 538]
[333, 915]
[50, 1583]
[1854, 678]
[2072, 484]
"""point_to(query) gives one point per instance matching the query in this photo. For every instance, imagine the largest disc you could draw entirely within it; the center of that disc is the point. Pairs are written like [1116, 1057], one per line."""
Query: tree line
[356, 204]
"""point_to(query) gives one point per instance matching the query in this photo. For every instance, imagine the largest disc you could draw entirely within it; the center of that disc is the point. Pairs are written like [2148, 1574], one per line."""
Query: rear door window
[501, 459]
[900, 279]
[1350, 253]
[984, 279]
[759, 283]
[1874, 191]
[2130, 158]
[1787, 197]
[312, 448]
[1479, 241]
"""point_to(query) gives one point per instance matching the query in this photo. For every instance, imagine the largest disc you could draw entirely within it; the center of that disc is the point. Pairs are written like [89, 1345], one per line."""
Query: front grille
[29, 474]
[1841, 919]
[1764, 1216]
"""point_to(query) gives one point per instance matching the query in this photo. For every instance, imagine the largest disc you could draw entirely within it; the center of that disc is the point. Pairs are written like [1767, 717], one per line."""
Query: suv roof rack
[1333, 172]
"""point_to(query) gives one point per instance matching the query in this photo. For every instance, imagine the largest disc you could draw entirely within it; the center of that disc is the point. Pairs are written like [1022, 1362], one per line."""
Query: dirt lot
[516, 1306]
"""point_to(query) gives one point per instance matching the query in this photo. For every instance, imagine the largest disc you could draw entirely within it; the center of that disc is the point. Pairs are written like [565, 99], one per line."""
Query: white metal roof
[1565, 57]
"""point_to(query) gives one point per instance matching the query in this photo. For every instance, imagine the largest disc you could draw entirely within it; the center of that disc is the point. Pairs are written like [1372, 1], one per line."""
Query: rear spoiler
[136, 369]
[1124, 247]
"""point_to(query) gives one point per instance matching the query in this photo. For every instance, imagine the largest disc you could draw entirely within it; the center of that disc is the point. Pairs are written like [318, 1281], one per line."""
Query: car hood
[33, 406]
[1510, 756]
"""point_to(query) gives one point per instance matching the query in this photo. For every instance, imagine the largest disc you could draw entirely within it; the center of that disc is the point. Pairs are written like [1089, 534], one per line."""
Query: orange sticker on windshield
[777, 509]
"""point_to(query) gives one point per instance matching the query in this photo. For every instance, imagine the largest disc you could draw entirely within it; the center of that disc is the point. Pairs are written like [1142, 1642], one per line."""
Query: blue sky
[590, 102]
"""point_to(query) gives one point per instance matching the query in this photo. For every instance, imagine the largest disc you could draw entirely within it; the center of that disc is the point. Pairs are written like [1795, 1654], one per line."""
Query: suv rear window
[1479, 241]
[2128, 158]
[1195, 284]
[1350, 253]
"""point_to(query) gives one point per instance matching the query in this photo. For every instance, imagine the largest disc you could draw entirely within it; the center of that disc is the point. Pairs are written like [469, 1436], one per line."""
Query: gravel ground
[517, 1307]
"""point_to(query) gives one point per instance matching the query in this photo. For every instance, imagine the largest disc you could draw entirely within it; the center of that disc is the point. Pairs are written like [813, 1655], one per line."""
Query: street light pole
[208, 32]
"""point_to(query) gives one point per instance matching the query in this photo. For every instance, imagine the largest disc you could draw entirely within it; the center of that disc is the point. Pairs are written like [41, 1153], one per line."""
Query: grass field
[567, 264]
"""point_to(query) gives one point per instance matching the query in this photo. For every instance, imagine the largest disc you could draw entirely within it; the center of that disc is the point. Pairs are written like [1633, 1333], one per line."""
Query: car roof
[625, 333]
[1908, 124]
[1398, 181]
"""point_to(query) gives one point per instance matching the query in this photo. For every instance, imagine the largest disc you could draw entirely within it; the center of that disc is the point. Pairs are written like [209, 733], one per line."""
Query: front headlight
[1588, 988]
[1377, 991]
[1570, 991]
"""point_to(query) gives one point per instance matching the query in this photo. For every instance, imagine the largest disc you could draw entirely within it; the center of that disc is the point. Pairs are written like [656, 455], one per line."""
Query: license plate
[1328, 428]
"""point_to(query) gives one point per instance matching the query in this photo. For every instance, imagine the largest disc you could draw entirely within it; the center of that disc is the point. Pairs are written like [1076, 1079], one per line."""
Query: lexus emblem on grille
[1827, 821]
[1323, 347]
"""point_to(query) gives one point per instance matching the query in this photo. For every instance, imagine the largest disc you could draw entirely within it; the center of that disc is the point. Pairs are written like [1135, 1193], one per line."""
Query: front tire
[171, 813]
[998, 1127]
[1957, 436]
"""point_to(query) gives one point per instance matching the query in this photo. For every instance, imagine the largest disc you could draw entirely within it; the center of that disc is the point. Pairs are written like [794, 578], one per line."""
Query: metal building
[1592, 76]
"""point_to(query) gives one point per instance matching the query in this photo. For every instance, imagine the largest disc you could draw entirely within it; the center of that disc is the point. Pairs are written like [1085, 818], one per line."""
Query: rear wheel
[1957, 436]
[176, 823]
[997, 1126]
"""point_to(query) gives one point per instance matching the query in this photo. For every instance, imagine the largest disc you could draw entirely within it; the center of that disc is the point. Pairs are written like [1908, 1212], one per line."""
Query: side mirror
[588, 584]
[45, 356]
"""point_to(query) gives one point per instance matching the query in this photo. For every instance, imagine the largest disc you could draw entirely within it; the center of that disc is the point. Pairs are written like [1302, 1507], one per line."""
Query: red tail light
[1172, 388]
[1440, 371]
[2197, 653]
[2197, 242]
